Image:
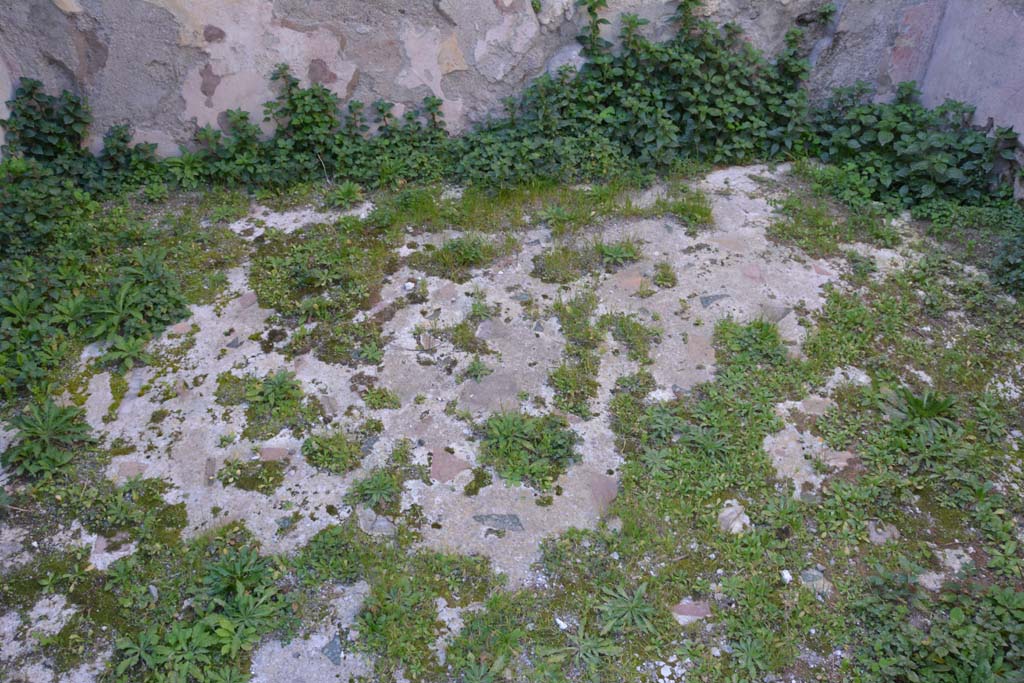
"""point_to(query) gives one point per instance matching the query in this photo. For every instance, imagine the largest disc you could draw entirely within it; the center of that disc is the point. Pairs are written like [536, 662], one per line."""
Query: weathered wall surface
[169, 66]
[983, 65]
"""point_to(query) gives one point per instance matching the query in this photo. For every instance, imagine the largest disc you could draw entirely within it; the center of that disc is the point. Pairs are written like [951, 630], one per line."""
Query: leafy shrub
[904, 151]
[49, 129]
[47, 438]
[534, 450]
[1008, 266]
[37, 204]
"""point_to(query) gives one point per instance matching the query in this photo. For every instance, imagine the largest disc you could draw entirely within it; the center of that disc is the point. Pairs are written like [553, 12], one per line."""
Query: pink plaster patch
[444, 467]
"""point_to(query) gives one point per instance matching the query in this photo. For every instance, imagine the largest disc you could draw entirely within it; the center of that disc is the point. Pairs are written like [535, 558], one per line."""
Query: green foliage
[617, 254]
[344, 195]
[704, 94]
[273, 403]
[335, 452]
[566, 263]
[332, 555]
[971, 636]
[37, 204]
[929, 415]
[575, 380]
[1008, 265]
[664, 275]
[809, 220]
[533, 450]
[128, 352]
[47, 439]
[75, 291]
[476, 370]
[906, 152]
[585, 650]
[275, 394]
[457, 257]
[625, 611]
[41, 126]
[380, 490]
[400, 622]
[263, 476]
[691, 207]
[234, 603]
[326, 271]
[629, 331]
[69, 276]
[381, 398]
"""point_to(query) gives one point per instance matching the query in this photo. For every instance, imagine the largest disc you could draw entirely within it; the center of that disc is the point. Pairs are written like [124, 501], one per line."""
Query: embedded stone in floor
[733, 519]
[816, 581]
[880, 533]
[273, 454]
[707, 300]
[444, 467]
[688, 611]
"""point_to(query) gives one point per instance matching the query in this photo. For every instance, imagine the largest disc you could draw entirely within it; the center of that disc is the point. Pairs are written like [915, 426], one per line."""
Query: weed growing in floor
[664, 275]
[476, 370]
[380, 398]
[457, 257]
[263, 476]
[69, 277]
[531, 450]
[633, 334]
[344, 195]
[335, 452]
[817, 225]
[614, 255]
[575, 380]
[318, 278]
[273, 403]
[566, 263]
[47, 437]
[380, 490]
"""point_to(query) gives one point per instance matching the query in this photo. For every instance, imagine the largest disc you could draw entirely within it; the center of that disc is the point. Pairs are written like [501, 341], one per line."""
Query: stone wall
[169, 66]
